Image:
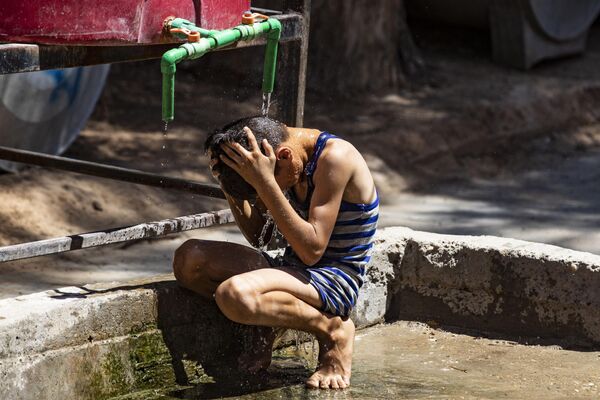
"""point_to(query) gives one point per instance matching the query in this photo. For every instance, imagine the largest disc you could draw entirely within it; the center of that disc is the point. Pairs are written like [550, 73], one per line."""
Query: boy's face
[282, 177]
[287, 168]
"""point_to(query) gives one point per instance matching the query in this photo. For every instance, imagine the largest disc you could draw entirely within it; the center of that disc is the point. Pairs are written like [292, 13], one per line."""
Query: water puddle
[408, 360]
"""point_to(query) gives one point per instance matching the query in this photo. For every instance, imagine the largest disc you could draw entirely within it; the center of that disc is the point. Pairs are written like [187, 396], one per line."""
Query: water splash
[266, 104]
[263, 241]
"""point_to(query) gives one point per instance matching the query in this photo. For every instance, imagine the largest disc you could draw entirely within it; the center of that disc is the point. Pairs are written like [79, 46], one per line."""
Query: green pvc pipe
[214, 40]
[270, 65]
[168, 68]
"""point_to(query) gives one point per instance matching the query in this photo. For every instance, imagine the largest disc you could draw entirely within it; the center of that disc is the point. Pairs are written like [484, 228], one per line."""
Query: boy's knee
[237, 299]
[188, 262]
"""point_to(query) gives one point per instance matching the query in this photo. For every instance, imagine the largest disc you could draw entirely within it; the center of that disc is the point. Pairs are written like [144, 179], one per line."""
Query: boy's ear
[283, 153]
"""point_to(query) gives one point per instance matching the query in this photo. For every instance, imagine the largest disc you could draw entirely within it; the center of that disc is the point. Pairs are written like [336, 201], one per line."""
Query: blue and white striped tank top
[340, 272]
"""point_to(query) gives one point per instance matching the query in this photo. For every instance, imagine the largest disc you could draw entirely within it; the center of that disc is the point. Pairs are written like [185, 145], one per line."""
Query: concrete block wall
[500, 285]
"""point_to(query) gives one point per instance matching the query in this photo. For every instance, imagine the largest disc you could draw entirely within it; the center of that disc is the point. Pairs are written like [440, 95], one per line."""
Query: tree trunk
[359, 47]
[355, 47]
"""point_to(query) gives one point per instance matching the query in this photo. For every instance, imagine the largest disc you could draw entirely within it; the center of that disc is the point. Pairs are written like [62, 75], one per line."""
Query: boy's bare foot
[335, 358]
[257, 358]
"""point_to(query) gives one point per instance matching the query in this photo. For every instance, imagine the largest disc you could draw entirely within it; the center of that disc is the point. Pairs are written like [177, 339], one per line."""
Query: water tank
[105, 22]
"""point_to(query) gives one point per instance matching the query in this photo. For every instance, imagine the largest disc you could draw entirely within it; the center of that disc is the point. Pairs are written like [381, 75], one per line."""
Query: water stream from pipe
[165, 159]
[266, 104]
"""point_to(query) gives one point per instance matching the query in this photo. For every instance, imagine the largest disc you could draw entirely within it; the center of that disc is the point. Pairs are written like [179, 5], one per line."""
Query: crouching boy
[321, 196]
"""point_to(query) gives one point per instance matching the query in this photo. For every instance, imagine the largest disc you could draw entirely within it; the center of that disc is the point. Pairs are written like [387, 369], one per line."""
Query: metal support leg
[291, 74]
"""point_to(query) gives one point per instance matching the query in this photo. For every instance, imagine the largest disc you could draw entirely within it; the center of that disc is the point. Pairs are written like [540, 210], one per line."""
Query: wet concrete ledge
[101, 341]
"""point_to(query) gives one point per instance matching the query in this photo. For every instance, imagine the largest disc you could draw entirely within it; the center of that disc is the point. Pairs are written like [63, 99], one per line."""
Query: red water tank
[108, 21]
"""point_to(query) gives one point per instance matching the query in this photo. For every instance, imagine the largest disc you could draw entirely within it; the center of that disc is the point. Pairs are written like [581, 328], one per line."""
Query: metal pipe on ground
[109, 172]
[114, 235]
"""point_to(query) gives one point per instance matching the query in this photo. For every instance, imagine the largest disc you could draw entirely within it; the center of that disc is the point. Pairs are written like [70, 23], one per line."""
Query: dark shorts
[333, 293]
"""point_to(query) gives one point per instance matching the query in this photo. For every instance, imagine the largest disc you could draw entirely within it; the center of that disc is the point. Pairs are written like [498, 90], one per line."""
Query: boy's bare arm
[249, 218]
[308, 238]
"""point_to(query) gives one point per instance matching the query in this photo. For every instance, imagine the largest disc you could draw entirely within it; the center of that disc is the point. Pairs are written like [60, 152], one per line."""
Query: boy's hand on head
[256, 168]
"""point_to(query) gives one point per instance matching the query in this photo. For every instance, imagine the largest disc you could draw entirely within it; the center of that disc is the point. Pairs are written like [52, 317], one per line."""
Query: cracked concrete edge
[494, 284]
[466, 280]
[73, 316]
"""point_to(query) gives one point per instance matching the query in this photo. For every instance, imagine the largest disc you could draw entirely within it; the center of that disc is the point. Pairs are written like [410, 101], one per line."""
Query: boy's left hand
[256, 168]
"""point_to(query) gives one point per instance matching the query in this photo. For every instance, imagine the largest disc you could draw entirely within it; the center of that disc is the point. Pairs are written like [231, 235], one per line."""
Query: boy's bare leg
[201, 266]
[283, 298]
[254, 295]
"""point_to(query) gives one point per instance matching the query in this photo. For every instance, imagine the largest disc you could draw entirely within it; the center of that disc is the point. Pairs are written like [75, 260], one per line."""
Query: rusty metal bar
[109, 172]
[115, 235]
[32, 57]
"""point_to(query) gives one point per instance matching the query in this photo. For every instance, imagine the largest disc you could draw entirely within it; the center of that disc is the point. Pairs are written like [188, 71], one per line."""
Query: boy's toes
[325, 383]
[334, 383]
[318, 381]
[341, 383]
[313, 382]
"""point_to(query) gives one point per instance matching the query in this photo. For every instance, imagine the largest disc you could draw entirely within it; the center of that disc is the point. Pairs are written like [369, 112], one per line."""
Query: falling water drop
[165, 160]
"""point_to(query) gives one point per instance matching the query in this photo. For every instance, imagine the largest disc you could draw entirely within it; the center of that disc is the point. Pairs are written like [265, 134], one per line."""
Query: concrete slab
[104, 340]
[409, 360]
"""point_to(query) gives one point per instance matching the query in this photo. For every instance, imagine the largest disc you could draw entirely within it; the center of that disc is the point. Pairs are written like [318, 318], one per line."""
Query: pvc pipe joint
[212, 40]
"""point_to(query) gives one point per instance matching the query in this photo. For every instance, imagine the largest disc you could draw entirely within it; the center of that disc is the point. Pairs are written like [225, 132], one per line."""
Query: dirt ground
[459, 142]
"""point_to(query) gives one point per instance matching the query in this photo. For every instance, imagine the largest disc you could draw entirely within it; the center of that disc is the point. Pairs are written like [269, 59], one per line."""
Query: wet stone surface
[407, 360]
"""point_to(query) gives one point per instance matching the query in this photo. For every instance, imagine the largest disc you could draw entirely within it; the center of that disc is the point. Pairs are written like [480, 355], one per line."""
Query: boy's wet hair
[263, 128]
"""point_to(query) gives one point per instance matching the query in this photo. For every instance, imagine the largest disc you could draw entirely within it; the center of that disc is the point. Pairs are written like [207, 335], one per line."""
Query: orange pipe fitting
[250, 18]
[192, 37]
